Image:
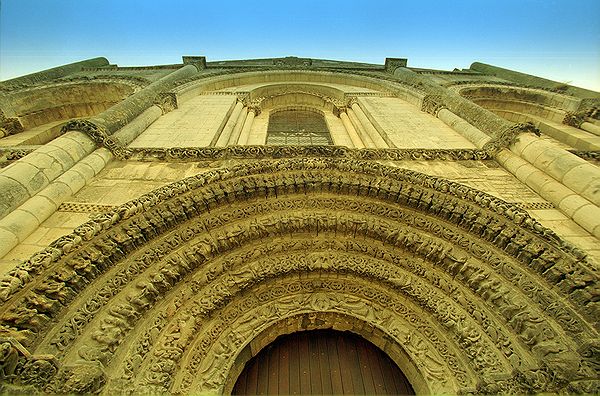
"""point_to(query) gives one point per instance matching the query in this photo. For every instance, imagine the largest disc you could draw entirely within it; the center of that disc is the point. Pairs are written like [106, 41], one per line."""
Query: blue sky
[556, 39]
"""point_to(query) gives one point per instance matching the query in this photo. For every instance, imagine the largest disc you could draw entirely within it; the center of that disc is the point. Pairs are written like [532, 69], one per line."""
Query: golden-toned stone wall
[154, 244]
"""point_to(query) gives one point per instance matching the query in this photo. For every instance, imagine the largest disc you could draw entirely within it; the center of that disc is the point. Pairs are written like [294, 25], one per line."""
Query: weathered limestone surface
[155, 245]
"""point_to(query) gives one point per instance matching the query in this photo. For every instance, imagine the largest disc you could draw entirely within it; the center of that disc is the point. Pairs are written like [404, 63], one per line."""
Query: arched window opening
[298, 127]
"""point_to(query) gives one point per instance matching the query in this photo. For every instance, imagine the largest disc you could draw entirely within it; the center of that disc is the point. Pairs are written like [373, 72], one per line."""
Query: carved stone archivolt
[164, 293]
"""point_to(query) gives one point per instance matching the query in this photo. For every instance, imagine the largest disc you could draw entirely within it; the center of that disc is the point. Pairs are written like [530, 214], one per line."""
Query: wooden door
[323, 362]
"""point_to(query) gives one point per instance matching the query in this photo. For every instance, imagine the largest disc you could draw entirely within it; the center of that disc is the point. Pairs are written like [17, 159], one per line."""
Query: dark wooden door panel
[323, 362]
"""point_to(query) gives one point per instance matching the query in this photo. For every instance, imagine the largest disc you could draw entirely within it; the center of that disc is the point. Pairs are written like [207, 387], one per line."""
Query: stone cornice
[487, 82]
[134, 81]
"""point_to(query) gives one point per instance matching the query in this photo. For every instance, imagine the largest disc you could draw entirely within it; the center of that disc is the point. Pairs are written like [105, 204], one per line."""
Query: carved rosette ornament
[164, 294]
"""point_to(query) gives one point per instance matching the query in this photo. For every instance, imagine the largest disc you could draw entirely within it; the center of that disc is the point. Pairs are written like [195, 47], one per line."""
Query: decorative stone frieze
[269, 152]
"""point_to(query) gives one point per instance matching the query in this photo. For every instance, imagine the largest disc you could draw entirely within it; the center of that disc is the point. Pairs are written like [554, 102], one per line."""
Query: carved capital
[293, 61]
[594, 112]
[391, 64]
[351, 100]
[9, 125]
[99, 135]
[167, 101]
[509, 136]
[96, 132]
[255, 107]
[243, 98]
[198, 61]
[338, 110]
[574, 119]
[432, 104]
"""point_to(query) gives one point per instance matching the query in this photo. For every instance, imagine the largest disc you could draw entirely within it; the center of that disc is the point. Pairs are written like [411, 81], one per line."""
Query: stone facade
[151, 242]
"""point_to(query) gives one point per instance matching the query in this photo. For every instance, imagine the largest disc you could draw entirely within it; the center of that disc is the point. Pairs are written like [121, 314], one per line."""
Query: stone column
[25, 219]
[356, 140]
[252, 112]
[472, 134]
[32, 173]
[123, 112]
[582, 211]
[358, 127]
[572, 171]
[368, 127]
[229, 127]
[591, 128]
[237, 129]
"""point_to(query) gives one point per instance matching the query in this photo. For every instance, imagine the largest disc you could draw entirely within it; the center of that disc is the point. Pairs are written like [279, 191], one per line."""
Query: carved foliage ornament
[98, 134]
[88, 230]
[167, 101]
[273, 152]
[509, 136]
[574, 119]
[93, 251]
[432, 104]
[9, 125]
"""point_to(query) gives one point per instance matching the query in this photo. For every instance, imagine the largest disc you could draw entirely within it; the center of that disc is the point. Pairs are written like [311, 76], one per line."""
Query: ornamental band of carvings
[99, 135]
[273, 152]
[391, 175]
[418, 245]
[177, 215]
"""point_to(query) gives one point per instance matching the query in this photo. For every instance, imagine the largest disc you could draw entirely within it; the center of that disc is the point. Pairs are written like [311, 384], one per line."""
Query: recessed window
[297, 127]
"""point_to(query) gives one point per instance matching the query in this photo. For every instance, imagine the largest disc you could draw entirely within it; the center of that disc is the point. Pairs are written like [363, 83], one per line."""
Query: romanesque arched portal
[172, 291]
